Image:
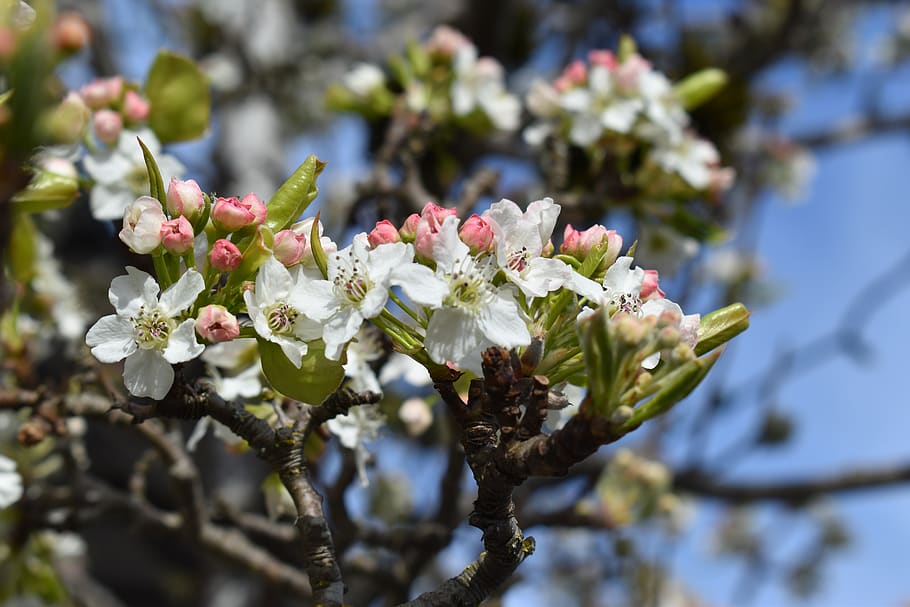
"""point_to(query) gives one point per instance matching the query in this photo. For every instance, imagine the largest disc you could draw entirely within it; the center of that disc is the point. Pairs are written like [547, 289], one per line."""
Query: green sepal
[312, 383]
[46, 191]
[319, 256]
[419, 59]
[720, 326]
[156, 183]
[178, 93]
[568, 260]
[700, 87]
[255, 250]
[294, 195]
[203, 219]
[673, 388]
[23, 248]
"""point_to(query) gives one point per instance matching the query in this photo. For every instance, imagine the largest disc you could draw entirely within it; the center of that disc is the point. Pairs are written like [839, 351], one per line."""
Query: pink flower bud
[602, 58]
[214, 323]
[256, 207]
[177, 236]
[70, 32]
[305, 228]
[650, 289]
[229, 214]
[383, 233]
[477, 233]
[579, 244]
[102, 92]
[408, 231]
[142, 222]
[108, 125]
[629, 72]
[185, 198]
[289, 247]
[225, 255]
[575, 74]
[135, 108]
[431, 218]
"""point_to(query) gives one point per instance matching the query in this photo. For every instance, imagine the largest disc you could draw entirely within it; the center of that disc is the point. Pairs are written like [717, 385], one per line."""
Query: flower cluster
[443, 78]
[623, 107]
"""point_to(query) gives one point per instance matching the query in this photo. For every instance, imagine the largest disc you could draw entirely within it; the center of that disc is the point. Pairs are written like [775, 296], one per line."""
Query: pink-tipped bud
[630, 71]
[214, 323]
[580, 243]
[477, 233]
[256, 207]
[408, 231]
[102, 92]
[650, 289]
[177, 236]
[575, 74]
[230, 214]
[135, 108]
[185, 198]
[70, 32]
[225, 255]
[289, 247]
[431, 218]
[108, 125]
[383, 233]
[602, 58]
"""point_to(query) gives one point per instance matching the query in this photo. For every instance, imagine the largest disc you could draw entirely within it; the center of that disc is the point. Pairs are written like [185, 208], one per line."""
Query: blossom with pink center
[108, 125]
[289, 247]
[142, 225]
[225, 255]
[431, 218]
[185, 198]
[477, 233]
[214, 323]
[135, 108]
[177, 236]
[383, 233]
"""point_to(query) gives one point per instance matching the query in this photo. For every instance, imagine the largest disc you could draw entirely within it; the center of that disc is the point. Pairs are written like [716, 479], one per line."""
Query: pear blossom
[10, 482]
[108, 125]
[146, 331]
[120, 174]
[479, 85]
[383, 233]
[135, 108]
[358, 285]
[361, 424]
[622, 287]
[289, 247]
[304, 228]
[177, 235]
[474, 314]
[364, 79]
[185, 198]
[225, 255]
[689, 157]
[276, 308]
[216, 324]
[520, 241]
[598, 107]
[686, 324]
[142, 225]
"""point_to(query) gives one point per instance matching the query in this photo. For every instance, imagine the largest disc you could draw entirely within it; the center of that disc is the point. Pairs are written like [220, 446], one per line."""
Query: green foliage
[180, 100]
[312, 383]
[721, 326]
[156, 183]
[46, 191]
[700, 87]
[294, 195]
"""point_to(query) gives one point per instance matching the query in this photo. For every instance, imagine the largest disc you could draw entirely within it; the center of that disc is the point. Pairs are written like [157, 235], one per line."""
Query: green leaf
[294, 195]
[700, 87]
[720, 326]
[627, 48]
[674, 387]
[319, 256]
[312, 383]
[600, 359]
[179, 95]
[23, 247]
[46, 191]
[156, 183]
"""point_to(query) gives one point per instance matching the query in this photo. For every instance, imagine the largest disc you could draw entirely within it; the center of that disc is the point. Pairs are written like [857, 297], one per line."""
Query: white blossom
[120, 174]
[360, 425]
[479, 83]
[145, 330]
[10, 482]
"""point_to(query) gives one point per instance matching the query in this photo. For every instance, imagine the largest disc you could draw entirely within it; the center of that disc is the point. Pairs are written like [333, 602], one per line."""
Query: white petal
[656, 307]
[109, 201]
[451, 335]
[374, 301]
[537, 133]
[420, 284]
[111, 339]
[384, 259]
[341, 328]
[544, 214]
[146, 373]
[586, 129]
[10, 482]
[688, 329]
[651, 361]
[306, 329]
[181, 344]
[260, 323]
[315, 298]
[273, 282]
[599, 80]
[576, 100]
[135, 289]
[292, 348]
[542, 276]
[181, 295]
[502, 323]
[448, 248]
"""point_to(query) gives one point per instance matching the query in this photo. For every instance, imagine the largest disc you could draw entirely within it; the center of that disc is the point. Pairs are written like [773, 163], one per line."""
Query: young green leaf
[178, 93]
[295, 195]
[720, 326]
[156, 183]
[312, 383]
